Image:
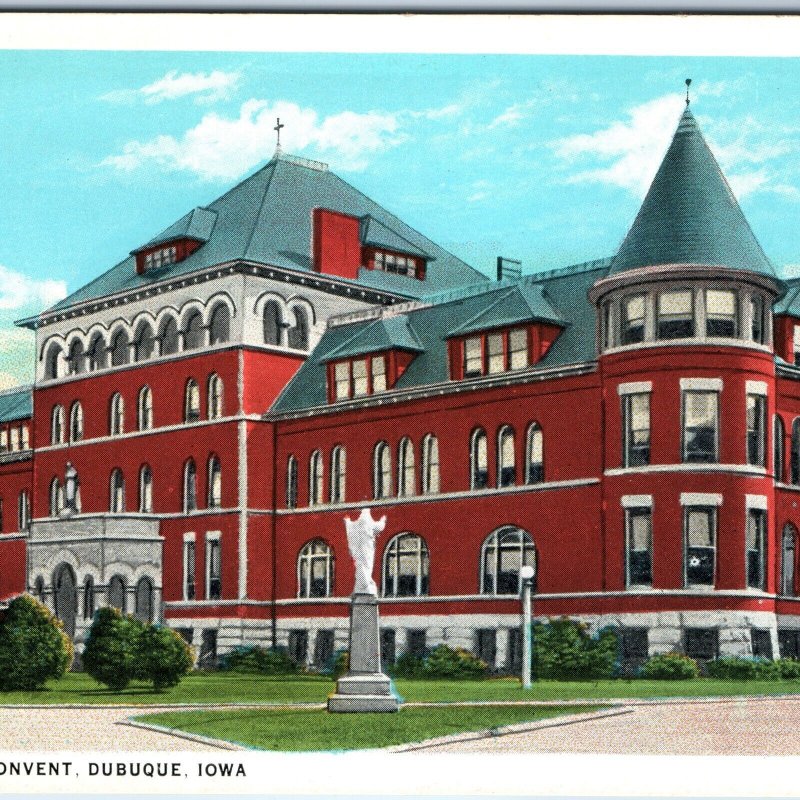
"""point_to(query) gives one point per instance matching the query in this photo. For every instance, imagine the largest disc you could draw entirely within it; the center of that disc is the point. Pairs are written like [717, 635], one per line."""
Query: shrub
[788, 668]
[564, 650]
[111, 653]
[272, 661]
[737, 668]
[341, 663]
[162, 657]
[33, 646]
[670, 667]
[407, 666]
[446, 662]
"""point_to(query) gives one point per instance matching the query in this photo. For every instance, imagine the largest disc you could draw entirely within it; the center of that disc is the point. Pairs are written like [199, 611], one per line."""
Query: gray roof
[197, 224]
[16, 404]
[267, 219]
[392, 333]
[690, 215]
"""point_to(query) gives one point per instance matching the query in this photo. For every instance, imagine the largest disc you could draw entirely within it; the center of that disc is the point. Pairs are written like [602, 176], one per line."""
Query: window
[359, 377]
[297, 336]
[506, 461]
[97, 353]
[636, 430]
[23, 510]
[170, 338]
[495, 352]
[701, 644]
[700, 426]
[378, 372]
[161, 257]
[116, 593]
[720, 313]
[700, 526]
[88, 598]
[633, 318]
[360, 380]
[495, 355]
[393, 262]
[416, 643]
[607, 325]
[116, 422]
[213, 567]
[388, 646]
[56, 497]
[188, 569]
[535, 454]
[52, 366]
[189, 486]
[143, 608]
[291, 482]
[298, 647]
[315, 570]
[382, 471]
[2, 526]
[324, 644]
[755, 535]
[675, 315]
[789, 561]
[24, 442]
[145, 410]
[273, 323]
[77, 359]
[789, 643]
[758, 325]
[406, 469]
[117, 492]
[13, 433]
[214, 483]
[761, 643]
[479, 460]
[338, 474]
[639, 546]
[145, 489]
[517, 348]
[797, 345]
[486, 646]
[315, 478]
[430, 464]
[406, 567]
[219, 326]
[76, 422]
[473, 357]
[3, 440]
[214, 396]
[341, 374]
[795, 454]
[194, 336]
[144, 343]
[120, 349]
[57, 425]
[192, 401]
[504, 554]
[756, 430]
[779, 444]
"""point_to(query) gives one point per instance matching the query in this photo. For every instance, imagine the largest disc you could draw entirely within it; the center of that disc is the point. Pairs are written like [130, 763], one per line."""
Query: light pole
[526, 574]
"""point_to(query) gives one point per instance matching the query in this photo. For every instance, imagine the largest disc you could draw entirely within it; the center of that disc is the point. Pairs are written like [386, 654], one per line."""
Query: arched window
[503, 555]
[338, 474]
[120, 349]
[189, 486]
[789, 561]
[534, 454]
[170, 338]
[192, 401]
[315, 570]
[214, 483]
[144, 600]
[779, 443]
[430, 464]
[52, 365]
[506, 461]
[23, 510]
[795, 454]
[406, 469]
[273, 323]
[38, 588]
[145, 409]
[382, 471]
[56, 497]
[116, 422]
[291, 482]
[144, 344]
[406, 566]
[479, 460]
[194, 335]
[97, 353]
[298, 333]
[88, 598]
[145, 489]
[76, 422]
[116, 593]
[117, 492]
[214, 396]
[315, 478]
[220, 324]
[77, 359]
[57, 425]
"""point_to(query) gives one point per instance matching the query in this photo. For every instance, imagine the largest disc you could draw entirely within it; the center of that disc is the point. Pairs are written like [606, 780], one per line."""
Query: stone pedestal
[364, 687]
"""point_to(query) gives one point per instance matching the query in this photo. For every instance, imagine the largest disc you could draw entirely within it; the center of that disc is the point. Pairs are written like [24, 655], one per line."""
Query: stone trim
[700, 499]
[636, 387]
[756, 387]
[636, 501]
[757, 501]
[701, 384]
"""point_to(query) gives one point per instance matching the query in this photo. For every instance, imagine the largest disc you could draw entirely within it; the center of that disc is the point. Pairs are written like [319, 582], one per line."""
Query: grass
[315, 730]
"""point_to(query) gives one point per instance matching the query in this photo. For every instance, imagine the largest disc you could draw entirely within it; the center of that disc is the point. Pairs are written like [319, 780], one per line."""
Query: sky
[539, 158]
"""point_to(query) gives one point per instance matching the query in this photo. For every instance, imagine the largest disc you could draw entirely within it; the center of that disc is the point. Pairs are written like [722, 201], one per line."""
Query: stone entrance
[65, 597]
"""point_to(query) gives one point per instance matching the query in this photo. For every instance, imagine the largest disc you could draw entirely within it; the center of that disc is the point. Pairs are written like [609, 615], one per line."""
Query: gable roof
[392, 333]
[378, 235]
[267, 219]
[16, 404]
[690, 215]
[197, 224]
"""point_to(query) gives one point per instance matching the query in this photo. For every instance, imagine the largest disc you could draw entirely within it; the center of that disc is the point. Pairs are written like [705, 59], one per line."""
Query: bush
[162, 657]
[407, 666]
[33, 646]
[670, 667]
[737, 668]
[788, 668]
[446, 662]
[111, 653]
[272, 661]
[564, 650]
[341, 664]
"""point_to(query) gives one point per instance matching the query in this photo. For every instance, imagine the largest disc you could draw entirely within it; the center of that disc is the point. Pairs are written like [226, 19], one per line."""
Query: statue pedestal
[364, 687]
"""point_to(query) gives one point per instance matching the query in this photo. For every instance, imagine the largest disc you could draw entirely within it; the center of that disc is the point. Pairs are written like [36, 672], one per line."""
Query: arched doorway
[144, 600]
[65, 597]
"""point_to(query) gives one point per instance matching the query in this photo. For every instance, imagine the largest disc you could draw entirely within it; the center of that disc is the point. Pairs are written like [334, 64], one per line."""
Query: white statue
[70, 489]
[361, 535]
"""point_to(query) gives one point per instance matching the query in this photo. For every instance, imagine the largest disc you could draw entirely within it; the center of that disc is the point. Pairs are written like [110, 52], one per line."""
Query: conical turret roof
[690, 215]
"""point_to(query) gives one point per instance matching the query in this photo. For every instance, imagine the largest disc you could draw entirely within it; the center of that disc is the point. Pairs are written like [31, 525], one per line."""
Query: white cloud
[8, 381]
[748, 182]
[18, 290]
[206, 87]
[221, 147]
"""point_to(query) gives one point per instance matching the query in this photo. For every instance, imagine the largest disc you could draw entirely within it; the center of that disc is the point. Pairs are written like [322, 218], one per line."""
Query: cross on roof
[277, 129]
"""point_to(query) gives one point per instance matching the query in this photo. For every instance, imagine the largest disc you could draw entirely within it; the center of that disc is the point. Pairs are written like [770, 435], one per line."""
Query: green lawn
[312, 729]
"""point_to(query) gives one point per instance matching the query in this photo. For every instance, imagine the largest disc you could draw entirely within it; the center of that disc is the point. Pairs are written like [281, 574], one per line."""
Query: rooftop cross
[688, 84]
[277, 129]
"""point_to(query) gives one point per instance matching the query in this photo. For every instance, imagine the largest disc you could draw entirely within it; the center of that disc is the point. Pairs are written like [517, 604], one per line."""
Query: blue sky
[539, 158]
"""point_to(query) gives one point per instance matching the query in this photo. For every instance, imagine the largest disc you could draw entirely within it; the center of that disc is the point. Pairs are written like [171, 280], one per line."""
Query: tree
[162, 657]
[33, 646]
[111, 652]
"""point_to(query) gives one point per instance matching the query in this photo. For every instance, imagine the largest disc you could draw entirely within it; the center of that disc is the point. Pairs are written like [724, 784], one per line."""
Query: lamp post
[526, 574]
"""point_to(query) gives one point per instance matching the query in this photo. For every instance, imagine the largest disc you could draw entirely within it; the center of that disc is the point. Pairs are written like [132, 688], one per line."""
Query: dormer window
[494, 352]
[397, 264]
[158, 258]
[358, 377]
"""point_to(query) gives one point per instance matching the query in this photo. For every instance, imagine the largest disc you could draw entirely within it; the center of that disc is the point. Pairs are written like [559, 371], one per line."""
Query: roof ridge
[572, 269]
[27, 387]
[257, 217]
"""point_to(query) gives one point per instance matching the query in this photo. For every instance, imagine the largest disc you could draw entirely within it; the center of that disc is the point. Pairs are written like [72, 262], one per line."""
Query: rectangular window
[633, 309]
[473, 357]
[360, 383]
[188, 570]
[416, 644]
[639, 546]
[298, 647]
[379, 374]
[14, 433]
[518, 349]
[701, 643]
[761, 641]
[608, 326]
[496, 355]
[797, 345]
[675, 315]
[789, 643]
[3, 440]
[720, 313]
[341, 374]
[700, 427]
[756, 429]
[754, 543]
[700, 535]
[636, 430]
[758, 325]
[213, 570]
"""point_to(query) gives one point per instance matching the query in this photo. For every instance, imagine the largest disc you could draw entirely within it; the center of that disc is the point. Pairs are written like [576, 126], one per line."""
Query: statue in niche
[361, 536]
[70, 489]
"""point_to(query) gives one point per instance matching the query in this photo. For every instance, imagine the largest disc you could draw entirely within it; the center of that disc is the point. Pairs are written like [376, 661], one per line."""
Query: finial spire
[277, 129]
[688, 84]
